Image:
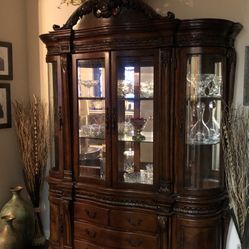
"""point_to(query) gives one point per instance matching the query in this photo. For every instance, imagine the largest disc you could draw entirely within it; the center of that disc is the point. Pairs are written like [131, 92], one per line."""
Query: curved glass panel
[53, 104]
[203, 111]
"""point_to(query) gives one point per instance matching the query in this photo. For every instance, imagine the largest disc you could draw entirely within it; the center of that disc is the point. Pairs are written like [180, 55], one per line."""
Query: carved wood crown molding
[108, 8]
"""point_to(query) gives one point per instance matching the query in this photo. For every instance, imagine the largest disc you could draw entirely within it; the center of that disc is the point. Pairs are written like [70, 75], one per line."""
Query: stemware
[204, 85]
[125, 87]
[147, 89]
[88, 84]
[138, 124]
[129, 161]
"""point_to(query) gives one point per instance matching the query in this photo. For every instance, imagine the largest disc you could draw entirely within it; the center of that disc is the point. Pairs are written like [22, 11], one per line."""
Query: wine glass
[88, 84]
[125, 87]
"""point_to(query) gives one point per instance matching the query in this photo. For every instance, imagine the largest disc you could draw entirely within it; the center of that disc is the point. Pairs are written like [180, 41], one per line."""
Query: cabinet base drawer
[134, 221]
[85, 245]
[91, 212]
[113, 239]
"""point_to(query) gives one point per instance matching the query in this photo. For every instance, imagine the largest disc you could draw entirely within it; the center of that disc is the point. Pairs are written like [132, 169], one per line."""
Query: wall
[13, 29]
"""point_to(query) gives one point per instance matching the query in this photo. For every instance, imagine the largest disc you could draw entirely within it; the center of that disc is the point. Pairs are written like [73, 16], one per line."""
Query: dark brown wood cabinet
[136, 104]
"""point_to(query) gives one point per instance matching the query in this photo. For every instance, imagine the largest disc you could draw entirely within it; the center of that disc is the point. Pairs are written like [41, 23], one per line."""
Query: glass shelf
[134, 99]
[91, 98]
[202, 144]
[127, 138]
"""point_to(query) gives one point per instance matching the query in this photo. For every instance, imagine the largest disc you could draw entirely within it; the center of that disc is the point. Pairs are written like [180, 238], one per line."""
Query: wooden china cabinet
[136, 108]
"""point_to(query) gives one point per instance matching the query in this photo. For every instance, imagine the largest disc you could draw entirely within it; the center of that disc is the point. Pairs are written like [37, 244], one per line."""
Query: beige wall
[13, 29]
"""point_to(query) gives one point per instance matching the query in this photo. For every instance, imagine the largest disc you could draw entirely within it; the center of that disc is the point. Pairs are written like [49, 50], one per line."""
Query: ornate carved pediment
[108, 8]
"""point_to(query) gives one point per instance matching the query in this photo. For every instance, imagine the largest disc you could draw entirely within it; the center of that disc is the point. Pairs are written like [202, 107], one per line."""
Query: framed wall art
[5, 106]
[6, 66]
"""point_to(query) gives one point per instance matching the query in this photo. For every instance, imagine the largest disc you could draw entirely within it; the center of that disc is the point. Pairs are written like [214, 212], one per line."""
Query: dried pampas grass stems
[236, 159]
[31, 124]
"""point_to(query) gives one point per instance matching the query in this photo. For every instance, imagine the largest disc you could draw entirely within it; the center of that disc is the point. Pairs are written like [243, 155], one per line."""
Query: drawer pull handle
[90, 214]
[91, 234]
[135, 223]
[135, 242]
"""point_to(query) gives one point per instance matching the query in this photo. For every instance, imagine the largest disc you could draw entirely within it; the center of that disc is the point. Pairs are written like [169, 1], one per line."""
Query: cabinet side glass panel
[204, 91]
[135, 100]
[53, 103]
[91, 108]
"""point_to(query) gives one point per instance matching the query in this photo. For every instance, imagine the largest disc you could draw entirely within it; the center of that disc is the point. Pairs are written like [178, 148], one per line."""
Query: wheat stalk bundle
[72, 2]
[31, 124]
[236, 160]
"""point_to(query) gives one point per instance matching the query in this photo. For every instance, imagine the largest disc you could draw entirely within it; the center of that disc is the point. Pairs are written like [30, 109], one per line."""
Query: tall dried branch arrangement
[71, 2]
[236, 159]
[31, 124]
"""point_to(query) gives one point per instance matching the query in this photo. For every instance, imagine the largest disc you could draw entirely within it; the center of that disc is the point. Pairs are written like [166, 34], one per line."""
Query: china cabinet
[136, 103]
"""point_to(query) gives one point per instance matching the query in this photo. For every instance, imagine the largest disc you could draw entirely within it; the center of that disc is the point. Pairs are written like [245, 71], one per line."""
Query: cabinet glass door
[204, 82]
[55, 103]
[92, 117]
[135, 113]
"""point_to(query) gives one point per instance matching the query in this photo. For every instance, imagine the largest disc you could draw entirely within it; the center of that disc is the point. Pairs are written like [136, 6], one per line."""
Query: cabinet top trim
[103, 10]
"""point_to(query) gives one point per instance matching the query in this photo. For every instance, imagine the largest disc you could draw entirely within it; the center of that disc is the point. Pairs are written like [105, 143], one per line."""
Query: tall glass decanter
[212, 124]
[199, 134]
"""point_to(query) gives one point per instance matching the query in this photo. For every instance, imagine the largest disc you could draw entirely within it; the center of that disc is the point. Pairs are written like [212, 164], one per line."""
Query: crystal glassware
[147, 89]
[125, 87]
[129, 161]
[138, 124]
[88, 84]
[205, 85]
[212, 124]
[199, 133]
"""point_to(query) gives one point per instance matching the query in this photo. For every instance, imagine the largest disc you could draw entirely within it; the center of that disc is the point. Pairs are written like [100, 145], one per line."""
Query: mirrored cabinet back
[136, 105]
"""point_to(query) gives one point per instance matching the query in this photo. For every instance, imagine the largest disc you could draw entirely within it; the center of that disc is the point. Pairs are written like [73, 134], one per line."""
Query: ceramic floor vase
[23, 212]
[9, 237]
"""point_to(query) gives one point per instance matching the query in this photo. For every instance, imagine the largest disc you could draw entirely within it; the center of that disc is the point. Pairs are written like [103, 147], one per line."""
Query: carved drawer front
[85, 245]
[113, 239]
[134, 221]
[91, 213]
